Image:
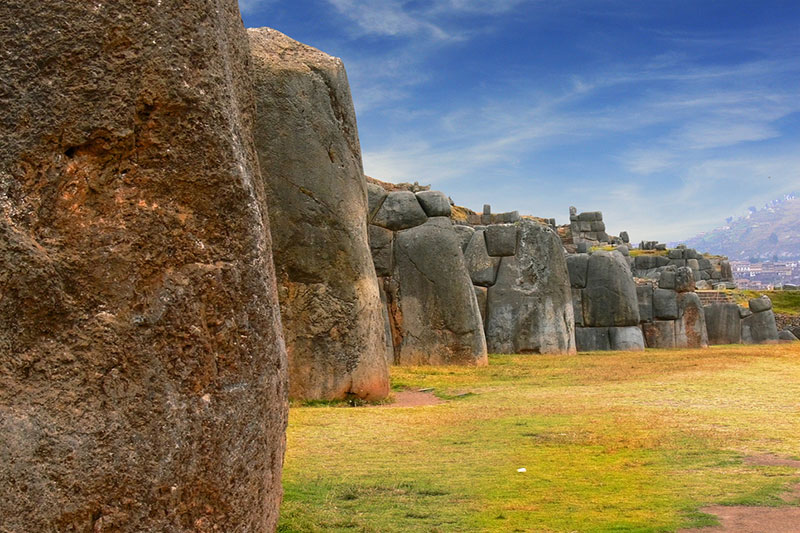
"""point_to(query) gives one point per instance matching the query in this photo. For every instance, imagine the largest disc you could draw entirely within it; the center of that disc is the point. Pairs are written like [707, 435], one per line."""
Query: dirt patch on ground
[412, 398]
[753, 519]
[771, 460]
[746, 519]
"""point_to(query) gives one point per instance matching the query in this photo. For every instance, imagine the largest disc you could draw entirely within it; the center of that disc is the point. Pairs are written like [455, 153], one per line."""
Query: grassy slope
[783, 302]
[611, 442]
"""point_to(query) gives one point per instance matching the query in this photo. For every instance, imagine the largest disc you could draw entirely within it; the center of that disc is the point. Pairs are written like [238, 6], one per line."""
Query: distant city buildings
[765, 275]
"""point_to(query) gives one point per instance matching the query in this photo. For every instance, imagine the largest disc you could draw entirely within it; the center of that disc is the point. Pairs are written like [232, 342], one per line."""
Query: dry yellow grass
[610, 441]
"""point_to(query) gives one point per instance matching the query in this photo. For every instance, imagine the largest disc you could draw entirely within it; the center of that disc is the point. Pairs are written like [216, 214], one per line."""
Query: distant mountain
[766, 233]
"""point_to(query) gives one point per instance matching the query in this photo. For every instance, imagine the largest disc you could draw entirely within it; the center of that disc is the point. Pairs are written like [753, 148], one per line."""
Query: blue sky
[669, 116]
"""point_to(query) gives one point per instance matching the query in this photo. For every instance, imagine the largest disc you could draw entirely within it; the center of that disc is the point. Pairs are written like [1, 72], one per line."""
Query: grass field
[610, 441]
[783, 302]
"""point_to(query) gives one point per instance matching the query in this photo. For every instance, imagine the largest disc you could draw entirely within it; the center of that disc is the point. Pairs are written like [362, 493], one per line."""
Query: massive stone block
[142, 369]
[610, 295]
[530, 306]
[592, 339]
[690, 328]
[482, 268]
[400, 210]
[760, 327]
[659, 333]
[434, 311]
[434, 203]
[644, 295]
[578, 268]
[381, 245]
[308, 148]
[723, 324]
[627, 338]
[665, 304]
[501, 240]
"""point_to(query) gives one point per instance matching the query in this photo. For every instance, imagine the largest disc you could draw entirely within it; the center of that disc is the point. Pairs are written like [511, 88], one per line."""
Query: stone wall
[432, 311]
[605, 302]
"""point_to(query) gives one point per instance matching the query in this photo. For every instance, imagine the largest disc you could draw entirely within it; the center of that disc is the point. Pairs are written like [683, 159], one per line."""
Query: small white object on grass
[521, 470]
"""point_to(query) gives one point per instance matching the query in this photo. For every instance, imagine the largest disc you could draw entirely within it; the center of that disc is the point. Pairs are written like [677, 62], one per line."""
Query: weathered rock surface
[308, 148]
[628, 338]
[434, 203]
[578, 267]
[400, 210]
[690, 328]
[435, 313]
[759, 305]
[530, 306]
[501, 240]
[760, 327]
[482, 294]
[464, 234]
[610, 295]
[723, 324]
[592, 339]
[787, 335]
[659, 333]
[644, 295]
[381, 245]
[482, 268]
[665, 304]
[142, 369]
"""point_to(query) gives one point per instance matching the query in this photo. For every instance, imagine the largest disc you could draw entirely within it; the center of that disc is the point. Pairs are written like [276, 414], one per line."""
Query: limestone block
[665, 304]
[787, 335]
[464, 234]
[434, 203]
[644, 295]
[376, 195]
[761, 326]
[578, 268]
[759, 305]
[690, 328]
[723, 324]
[684, 280]
[667, 280]
[529, 307]
[381, 242]
[659, 333]
[310, 159]
[592, 339]
[645, 262]
[694, 264]
[501, 240]
[628, 338]
[624, 236]
[140, 338]
[610, 295]
[400, 210]
[434, 312]
[577, 306]
[481, 267]
[482, 294]
[598, 226]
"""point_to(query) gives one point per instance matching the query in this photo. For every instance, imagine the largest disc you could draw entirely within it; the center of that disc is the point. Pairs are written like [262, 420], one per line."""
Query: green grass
[611, 442]
[783, 302]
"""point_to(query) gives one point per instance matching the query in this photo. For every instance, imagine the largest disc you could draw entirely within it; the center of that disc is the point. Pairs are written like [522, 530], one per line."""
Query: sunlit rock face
[310, 158]
[142, 368]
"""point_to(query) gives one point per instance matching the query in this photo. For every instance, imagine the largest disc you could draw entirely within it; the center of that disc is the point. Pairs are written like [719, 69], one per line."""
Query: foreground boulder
[433, 307]
[309, 152]
[142, 369]
[529, 308]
